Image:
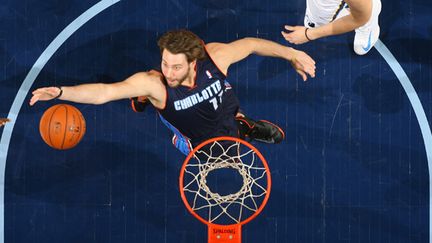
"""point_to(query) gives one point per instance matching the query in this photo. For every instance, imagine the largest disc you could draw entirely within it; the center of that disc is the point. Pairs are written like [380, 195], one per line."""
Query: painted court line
[27, 84]
[418, 110]
[102, 5]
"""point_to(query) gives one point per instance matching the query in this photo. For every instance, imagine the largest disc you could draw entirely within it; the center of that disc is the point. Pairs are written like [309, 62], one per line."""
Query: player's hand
[303, 64]
[139, 103]
[295, 35]
[43, 94]
[3, 121]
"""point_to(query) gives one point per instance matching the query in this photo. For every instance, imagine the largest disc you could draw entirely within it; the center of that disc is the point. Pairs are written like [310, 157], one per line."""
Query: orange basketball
[62, 126]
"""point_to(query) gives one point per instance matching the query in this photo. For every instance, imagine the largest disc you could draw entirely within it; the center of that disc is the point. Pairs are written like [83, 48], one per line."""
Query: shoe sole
[280, 129]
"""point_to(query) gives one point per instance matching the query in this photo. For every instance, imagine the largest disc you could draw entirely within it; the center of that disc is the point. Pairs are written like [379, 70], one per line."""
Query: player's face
[175, 68]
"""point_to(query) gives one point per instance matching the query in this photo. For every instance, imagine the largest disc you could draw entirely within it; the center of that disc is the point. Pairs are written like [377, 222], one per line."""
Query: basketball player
[3, 121]
[191, 93]
[333, 17]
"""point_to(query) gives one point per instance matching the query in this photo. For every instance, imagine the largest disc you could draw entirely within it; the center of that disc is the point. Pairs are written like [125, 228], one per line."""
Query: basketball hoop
[225, 213]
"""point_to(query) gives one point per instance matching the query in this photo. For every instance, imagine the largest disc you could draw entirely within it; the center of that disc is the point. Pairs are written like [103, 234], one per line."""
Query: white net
[237, 165]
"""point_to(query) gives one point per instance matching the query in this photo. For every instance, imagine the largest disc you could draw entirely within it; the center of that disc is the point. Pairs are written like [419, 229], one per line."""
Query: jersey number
[215, 102]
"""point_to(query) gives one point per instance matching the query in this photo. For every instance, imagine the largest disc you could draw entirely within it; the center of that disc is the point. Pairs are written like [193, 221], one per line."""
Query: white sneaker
[367, 35]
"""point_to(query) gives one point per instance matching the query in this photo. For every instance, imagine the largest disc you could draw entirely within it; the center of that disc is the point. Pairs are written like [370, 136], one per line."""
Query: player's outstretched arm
[226, 54]
[139, 84]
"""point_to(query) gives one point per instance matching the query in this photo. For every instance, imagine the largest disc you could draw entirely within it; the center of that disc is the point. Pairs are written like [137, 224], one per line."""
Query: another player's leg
[367, 35]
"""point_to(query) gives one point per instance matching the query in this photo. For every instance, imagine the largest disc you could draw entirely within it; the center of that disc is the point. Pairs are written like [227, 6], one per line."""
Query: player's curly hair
[183, 41]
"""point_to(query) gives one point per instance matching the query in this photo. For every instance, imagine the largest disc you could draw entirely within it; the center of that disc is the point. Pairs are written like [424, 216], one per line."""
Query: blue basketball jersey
[204, 111]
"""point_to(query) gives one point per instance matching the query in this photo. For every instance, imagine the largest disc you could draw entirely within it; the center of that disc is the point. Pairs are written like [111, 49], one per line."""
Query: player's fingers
[289, 27]
[287, 36]
[309, 60]
[39, 91]
[302, 74]
[46, 92]
[312, 60]
[309, 69]
[311, 72]
[305, 57]
[34, 99]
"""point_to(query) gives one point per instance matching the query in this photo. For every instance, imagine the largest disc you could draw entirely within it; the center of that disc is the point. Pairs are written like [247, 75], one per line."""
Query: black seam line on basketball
[65, 130]
[81, 119]
[80, 126]
[49, 126]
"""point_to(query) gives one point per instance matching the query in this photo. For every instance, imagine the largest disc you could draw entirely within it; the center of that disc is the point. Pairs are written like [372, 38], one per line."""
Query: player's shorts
[322, 12]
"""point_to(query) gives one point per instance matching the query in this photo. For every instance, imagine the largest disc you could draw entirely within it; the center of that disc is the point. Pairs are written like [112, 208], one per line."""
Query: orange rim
[226, 138]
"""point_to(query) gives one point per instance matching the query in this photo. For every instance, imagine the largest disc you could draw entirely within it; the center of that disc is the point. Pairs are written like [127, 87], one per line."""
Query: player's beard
[180, 80]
